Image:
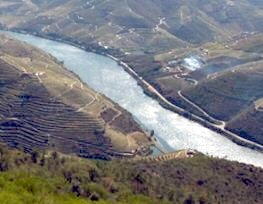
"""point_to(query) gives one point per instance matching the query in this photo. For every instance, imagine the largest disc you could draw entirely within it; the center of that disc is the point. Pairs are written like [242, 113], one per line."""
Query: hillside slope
[226, 86]
[154, 37]
[133, 25]
[54, 178]
[42, 105]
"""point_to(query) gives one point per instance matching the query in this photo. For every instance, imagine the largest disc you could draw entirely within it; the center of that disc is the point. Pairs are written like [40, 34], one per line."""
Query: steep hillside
[55, 178]
[230, 92]
[155, 37]
[42, 105]
[248, 123]
[133, 25]
[226, 88]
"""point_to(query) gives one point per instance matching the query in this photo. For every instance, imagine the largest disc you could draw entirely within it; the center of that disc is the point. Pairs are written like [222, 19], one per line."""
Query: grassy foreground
[20, 187]
[52, 178]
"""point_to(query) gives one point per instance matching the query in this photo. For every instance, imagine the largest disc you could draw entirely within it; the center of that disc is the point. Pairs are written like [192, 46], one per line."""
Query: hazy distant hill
[135, 25]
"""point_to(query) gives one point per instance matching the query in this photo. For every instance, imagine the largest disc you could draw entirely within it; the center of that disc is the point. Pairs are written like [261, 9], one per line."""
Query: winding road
[161, 97]
[222, 123]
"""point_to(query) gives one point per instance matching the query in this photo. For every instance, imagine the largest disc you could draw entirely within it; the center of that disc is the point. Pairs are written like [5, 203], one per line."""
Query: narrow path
[236, 68]
[162, 98]
[129, 141]
[38, 74]
[259, 105]
[258, 108]
[71, 86]
[195, 82]
[116, 116]
[88, 104]
[223, 123]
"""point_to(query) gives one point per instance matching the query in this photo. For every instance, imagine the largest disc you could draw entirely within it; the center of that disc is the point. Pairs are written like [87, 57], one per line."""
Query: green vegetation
[54, 178]
[139, 33]
[19, 187]
[248, 124]
[23, 188]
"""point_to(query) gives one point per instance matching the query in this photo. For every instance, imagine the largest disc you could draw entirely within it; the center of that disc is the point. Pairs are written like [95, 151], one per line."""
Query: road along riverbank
[173, 131]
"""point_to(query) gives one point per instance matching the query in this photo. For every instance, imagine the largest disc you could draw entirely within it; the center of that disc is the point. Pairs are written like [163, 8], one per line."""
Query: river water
[173, 131]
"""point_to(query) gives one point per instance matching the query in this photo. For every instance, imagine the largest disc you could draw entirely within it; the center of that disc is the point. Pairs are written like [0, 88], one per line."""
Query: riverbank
[150, 90]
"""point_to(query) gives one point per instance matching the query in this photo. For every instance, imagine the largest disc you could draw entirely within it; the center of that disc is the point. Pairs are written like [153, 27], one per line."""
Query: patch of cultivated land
[44, 106]
[230, 97]
[153, 38]
[248, 124]
[132, 25]
[228, 88]
[228, 94]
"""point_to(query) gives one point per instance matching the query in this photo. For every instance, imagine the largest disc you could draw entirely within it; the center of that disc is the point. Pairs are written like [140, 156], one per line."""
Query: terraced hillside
[227, 90]
[231, 97]
[133, 25]
[44, 106]
[154, 37]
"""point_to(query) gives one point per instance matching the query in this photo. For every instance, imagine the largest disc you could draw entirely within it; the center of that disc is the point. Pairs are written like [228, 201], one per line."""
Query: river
[174, 132]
